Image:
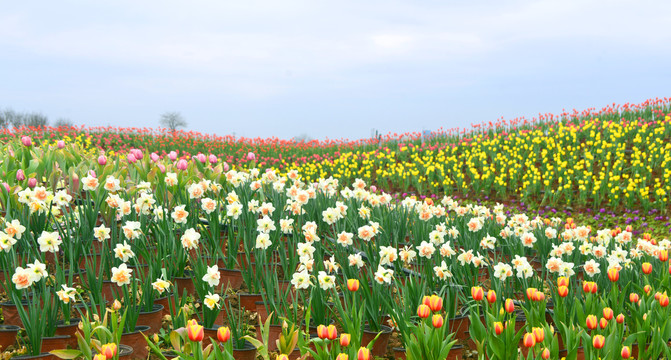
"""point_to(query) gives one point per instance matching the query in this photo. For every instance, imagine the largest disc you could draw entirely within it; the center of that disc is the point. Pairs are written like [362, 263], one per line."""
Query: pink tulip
[172, 156]
[182, 164]
[161, 167]
[226, 167]
[131, 158]
[213, 159]
[61, 144]
[20, 176]
[154, 157]
[137, 153]
[251, 156]
[201, 157]
[102, 160]
[26, 141]
[32, 182]
[373, 188]
[93, 173]
[6, 186]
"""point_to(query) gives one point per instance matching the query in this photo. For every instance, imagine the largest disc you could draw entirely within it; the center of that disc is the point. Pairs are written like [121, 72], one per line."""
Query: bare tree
[304, 137]
[35, 120]
[63, 122]
[172, 120]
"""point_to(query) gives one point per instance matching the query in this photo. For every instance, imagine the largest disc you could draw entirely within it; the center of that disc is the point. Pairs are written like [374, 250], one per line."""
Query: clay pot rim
[138, 329]
[384, 329]
[55, 337]
[248, 346]
[155, 308]
[41, 355]
[9, 328]
[73, 322]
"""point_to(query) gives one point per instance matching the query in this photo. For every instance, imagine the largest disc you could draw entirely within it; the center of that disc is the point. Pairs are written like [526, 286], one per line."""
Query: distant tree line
[11, 118]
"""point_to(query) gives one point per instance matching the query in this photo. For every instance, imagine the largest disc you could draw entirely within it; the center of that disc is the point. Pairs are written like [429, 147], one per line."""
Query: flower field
[126, 243]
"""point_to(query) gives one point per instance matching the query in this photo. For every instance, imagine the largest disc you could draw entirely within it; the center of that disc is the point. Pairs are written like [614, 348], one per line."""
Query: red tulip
[509, 305]
[591, 322]
[498, 328]
[539, 334]
[598, 341]
[331, 332]
[626, 352]
[619, 318]
[529, 340]
[477, 293]
[491, 296]
[423, 311]
[563, 291]
[646, 267]
[345, 339]
[663, 255]
[321, 332]
[613, 274]
[435, 303]
[352, 285]
[363, 354]
[223, 334]
[607, 313]
[109, 350]
[195, 331]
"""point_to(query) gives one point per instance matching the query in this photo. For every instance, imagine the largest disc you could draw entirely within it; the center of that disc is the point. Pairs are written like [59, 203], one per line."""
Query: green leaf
[66, 353]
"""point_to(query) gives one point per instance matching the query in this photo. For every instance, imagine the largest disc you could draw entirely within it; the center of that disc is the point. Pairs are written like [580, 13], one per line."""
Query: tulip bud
[162, 168]
[435, 303]
[172, 156]
[26, 141]
[663, 300]
[20, 176]
[131, 158]
[663, 255]
[342, 356]
[102, 160]
[613, 274]
[201, 157]
[116, 305]
[498, 328]
[352, 285]
[633, 297]
[282, 357]
[562, 281]
[423, 311]
[598, 341]
[321, 332]
[345, 339]
[545, 355]
[540, 296]
[251, 156]
[154, 157]
[626, 352]
[363, 354]
[373, 188]
[109, 350]
[646, 267]
[539, 334]
[60, 144]
[182, 164]
[563, 291]
[590, 287]
[226, 167]
[529, 340]
[619, 318]
[425, 300]
[591, 322]
[509, 305]
[437, 321]
[477, 293]
[6, 187]
[99, 357]
[647, 289]
[195, 331]
[213, 159]
[603, 323]
[32, 182]
[491, 296]
[223, 334]
[607, 313]
[331, 332]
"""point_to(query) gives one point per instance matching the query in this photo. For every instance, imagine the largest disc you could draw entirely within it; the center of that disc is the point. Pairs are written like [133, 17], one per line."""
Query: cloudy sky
[328, 68]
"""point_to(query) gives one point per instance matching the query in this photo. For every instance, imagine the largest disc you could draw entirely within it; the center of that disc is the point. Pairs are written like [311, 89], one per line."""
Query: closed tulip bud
[251, 156]
[223, 334]
[182, 164]
[509, 305]
[613, 275]
[657, 295]
[539, 334]
[598, 341]
[531, 293]
[491, 296]
[608, 313]
[647, 289]
[32, 182]
[423, 311]
[603, 323]
[109, 350]
[195, 331]
[213, 159]
[591, 322]
[529, 340]
[477, 293]
[562, 281]
[373, 188]
[201, 157]
[626, 352]
[102, 160]
[345, 339]
[664, 300]
[352, 285]
[619, 318]
[331, 332]
[226, 167]
[321, 332]
[562, 291]
[663, 255]
[154, 157]
[435, 303]
[282, 357]
[363, 354]
[540, 296]
[20, 176]
[342, 356]
[172, 155]
[116, 305]
[26, 141]
[545, 355]
[425, 300]
[633, 297]
[646, 267]
[162, 168]
[99, 357]
[437, 321]
[131, 158]
[6, 187]
[498, 328]
[590, 287]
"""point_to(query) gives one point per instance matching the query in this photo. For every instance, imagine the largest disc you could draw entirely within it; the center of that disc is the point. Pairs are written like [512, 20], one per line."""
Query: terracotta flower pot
[459, 326]
[69, 330]
[456, 352]
[8, 335]
[185, 283]
[163, 301]
[153, 319]
[125, 352]
[137, 342]
[42, 356]
[58, 342]
[248, 352]
[399, 353]
[273, 335]
[11, 313]
[248, 301]
[83, 308]
[380, 345]
[230, 278]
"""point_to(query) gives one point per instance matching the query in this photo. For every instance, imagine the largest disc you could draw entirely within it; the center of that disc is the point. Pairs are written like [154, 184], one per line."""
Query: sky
[328, 69]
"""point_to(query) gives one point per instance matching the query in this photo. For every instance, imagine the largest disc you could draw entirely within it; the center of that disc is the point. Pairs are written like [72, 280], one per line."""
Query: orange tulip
[342, 356]
[321, 332]
[663, 255]
[331, 332]
[663, 300]
[626, 352]
[647, 289]
[562, 281]
[498, 328]
[646, 267]
[545, 354]
[598, 341]
[590, 287]
[477, 293]
[109, 350]
[613, 274]
[531, 293]
[423, 311]
[195, 331]
[223, 334]
[282, 357]
[345, 339]
[591, 322]
[435, 303]
[608, 313]
[603, 323]
[99, 357]
[529, 340]
[363, 354]
[509, 305]
[437, 321]
[491, 296]
[633, 297]
[563, 291]
[352, 285]
[619, 318]
[539, 334]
